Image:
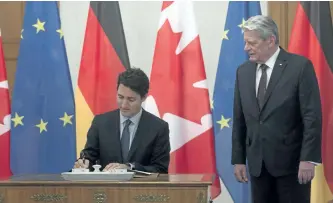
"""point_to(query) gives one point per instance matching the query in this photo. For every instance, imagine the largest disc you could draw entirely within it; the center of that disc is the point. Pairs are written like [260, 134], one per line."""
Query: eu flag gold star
[61, 34]
[224, 122]
[225, 36]
[242, 24]
[39, 26]
[67, 119]
[17, 120]
[42, 126]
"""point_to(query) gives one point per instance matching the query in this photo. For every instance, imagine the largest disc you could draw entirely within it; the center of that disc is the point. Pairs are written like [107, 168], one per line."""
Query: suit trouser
[284, 189]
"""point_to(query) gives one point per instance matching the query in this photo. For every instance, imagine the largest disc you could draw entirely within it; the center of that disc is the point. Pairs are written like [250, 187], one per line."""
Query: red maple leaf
[173, 77]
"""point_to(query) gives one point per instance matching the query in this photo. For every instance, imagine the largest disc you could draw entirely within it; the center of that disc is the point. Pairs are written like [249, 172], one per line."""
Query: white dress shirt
[270, 64]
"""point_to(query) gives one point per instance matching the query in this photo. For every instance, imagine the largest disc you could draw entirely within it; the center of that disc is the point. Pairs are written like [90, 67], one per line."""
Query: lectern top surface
[57, 179]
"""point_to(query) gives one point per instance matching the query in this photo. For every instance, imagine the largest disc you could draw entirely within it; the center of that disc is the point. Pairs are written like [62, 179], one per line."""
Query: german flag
[312, 37]
[104, 56]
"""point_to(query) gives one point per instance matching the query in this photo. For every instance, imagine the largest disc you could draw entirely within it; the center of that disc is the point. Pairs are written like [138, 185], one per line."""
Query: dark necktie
[125, 140]
[262, 86]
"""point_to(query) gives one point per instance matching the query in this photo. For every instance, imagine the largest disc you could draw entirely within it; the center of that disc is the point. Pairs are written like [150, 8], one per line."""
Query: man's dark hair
[135, 79]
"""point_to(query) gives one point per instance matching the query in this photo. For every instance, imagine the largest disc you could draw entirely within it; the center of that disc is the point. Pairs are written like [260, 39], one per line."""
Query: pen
[82, 155]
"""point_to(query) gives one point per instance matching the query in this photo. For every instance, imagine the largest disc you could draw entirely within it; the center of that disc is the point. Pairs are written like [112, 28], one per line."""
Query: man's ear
[272, 40]
[144, 98]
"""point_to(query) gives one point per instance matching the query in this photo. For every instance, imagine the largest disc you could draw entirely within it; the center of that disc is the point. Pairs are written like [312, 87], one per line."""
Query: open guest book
[82, 174]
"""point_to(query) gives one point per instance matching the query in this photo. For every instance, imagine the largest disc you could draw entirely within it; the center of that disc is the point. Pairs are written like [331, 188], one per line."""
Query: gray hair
[264, 25]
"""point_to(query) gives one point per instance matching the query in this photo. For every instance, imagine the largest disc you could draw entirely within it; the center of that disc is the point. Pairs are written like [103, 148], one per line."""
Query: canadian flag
[4, 117]
[179, 92]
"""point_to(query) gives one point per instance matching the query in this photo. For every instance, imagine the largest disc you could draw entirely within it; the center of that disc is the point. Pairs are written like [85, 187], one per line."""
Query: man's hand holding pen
[82, 162]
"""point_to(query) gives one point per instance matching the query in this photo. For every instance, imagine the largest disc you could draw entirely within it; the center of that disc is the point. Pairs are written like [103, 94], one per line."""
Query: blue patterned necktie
[125, 140]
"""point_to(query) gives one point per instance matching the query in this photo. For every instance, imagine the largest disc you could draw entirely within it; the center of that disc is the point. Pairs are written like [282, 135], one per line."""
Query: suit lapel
[279, 66]
[115, 136]
[139, 135]
[252, 87]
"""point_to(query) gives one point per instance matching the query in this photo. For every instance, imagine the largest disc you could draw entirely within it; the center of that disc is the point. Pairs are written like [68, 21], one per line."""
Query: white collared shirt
[270, 63]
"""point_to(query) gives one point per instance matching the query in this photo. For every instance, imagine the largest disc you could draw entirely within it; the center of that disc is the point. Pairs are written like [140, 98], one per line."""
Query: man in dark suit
[277, 118]
[129, 137]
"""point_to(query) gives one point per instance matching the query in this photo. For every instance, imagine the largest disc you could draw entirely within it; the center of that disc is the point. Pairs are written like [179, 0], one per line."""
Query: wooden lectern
[53, 188]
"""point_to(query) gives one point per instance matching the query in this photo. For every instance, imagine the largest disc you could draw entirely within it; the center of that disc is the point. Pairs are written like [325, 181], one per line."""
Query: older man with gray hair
[277, 119]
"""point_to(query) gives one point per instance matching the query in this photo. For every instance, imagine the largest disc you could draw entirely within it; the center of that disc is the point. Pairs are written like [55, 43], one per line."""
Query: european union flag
[43, 125]
[231, 56]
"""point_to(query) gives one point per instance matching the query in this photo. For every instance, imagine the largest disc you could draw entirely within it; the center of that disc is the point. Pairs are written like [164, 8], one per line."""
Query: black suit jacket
[150, 149]
[288, 128]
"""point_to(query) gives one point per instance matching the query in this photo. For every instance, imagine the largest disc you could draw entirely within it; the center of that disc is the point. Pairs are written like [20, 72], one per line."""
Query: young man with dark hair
[129, 137]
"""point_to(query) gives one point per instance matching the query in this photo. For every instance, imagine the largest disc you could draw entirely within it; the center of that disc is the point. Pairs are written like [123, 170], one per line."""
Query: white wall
[140, 20]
